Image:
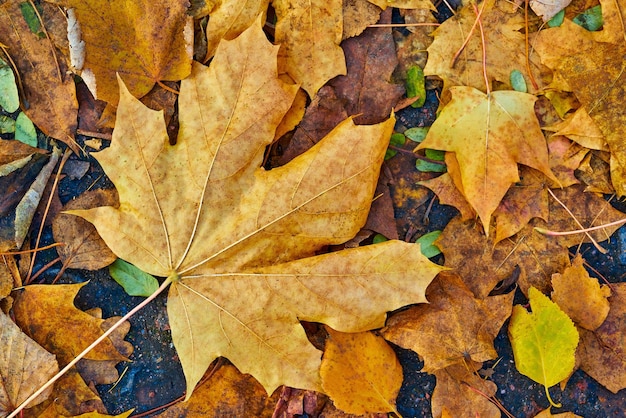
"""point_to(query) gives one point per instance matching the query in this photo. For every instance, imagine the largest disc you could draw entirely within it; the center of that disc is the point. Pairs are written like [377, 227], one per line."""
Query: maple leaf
[453, 327]
[489, 135]
[233, 238]
[309, 33]
[144, 50]
[504, 44]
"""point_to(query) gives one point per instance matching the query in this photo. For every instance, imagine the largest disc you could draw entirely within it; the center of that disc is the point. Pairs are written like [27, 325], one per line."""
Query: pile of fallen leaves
[248, 195]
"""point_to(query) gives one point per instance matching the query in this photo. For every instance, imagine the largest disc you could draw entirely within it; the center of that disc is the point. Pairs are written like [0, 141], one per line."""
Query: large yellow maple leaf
[237, 242]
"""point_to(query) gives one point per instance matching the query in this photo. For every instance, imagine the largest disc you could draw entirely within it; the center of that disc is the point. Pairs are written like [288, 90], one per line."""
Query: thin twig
[595, 243]
[578, 231]
[401, 25]
[43, 28]
[458, 53]
[528, 70]
[34, 250]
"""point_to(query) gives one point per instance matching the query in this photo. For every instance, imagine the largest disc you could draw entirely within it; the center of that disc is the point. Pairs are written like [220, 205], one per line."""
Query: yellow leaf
[234, 238]
[360, 373]
[309, 33]
[544, 341]
[581, 297]
[489, 135]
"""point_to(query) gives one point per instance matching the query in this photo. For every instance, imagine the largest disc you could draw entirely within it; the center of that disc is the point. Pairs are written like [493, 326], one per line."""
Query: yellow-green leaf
[544, 342]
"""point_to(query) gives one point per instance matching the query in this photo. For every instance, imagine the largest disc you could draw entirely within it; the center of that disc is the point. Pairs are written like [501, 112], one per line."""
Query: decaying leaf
[453, 327]
[24, 367]
[48, 90]
[360, 373]
[489, 136]
[463, 393]
[544, 342]
[233, 238]
[581, 297]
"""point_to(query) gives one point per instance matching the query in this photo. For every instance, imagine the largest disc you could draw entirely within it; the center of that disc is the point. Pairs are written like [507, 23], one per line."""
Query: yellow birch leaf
[489, 135]
[236, 241]
[360, 372]
[544, 341]
[309, 33]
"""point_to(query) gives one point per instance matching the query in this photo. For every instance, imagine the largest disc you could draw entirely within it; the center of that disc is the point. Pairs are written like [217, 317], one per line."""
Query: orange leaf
[360, 372]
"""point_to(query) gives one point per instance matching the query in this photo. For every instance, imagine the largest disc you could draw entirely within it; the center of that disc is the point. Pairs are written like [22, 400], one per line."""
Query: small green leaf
[9, 98]
[378, 238]
[544, 342]
[134, 281]
[557, 19]
[517, 81]
[431, 167]
[416, 134]
[396, 140]
[30, 16]
[415, 86]
[426, 242]
[25, 130]
[7, 125]
[590, 19]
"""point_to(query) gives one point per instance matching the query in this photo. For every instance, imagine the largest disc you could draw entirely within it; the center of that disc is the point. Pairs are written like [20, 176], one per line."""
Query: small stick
[401, 25]
[578, 231]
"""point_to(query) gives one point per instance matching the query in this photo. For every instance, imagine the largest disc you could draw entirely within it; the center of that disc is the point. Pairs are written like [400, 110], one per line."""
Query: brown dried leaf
[463, 393]
[83, 248]
[24, 367]
[48, 89]
[453, 327]
[602, 352]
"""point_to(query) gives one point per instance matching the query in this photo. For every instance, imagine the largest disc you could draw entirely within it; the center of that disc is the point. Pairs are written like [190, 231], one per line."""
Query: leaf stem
[556, 405]
[57, 376]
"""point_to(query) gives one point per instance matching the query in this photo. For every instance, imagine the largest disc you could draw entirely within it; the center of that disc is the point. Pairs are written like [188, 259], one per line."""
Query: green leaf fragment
[415, 86]
[427, 246]
[378, 238]
[590, 19]
[134, 281]
[431, 167]
[32, 20]
[416, 134]
[396, 140]
[25, 130]
[7, 125]
[9, 97]
[544, 342]
[517, 81]
[557, 19]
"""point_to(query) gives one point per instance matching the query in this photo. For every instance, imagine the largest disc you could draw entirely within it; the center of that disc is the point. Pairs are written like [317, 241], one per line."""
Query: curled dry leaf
[24, 367]
[82, 246]
[234, 238]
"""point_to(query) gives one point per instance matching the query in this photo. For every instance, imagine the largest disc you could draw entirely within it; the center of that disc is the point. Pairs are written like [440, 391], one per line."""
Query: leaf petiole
[108, 332]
